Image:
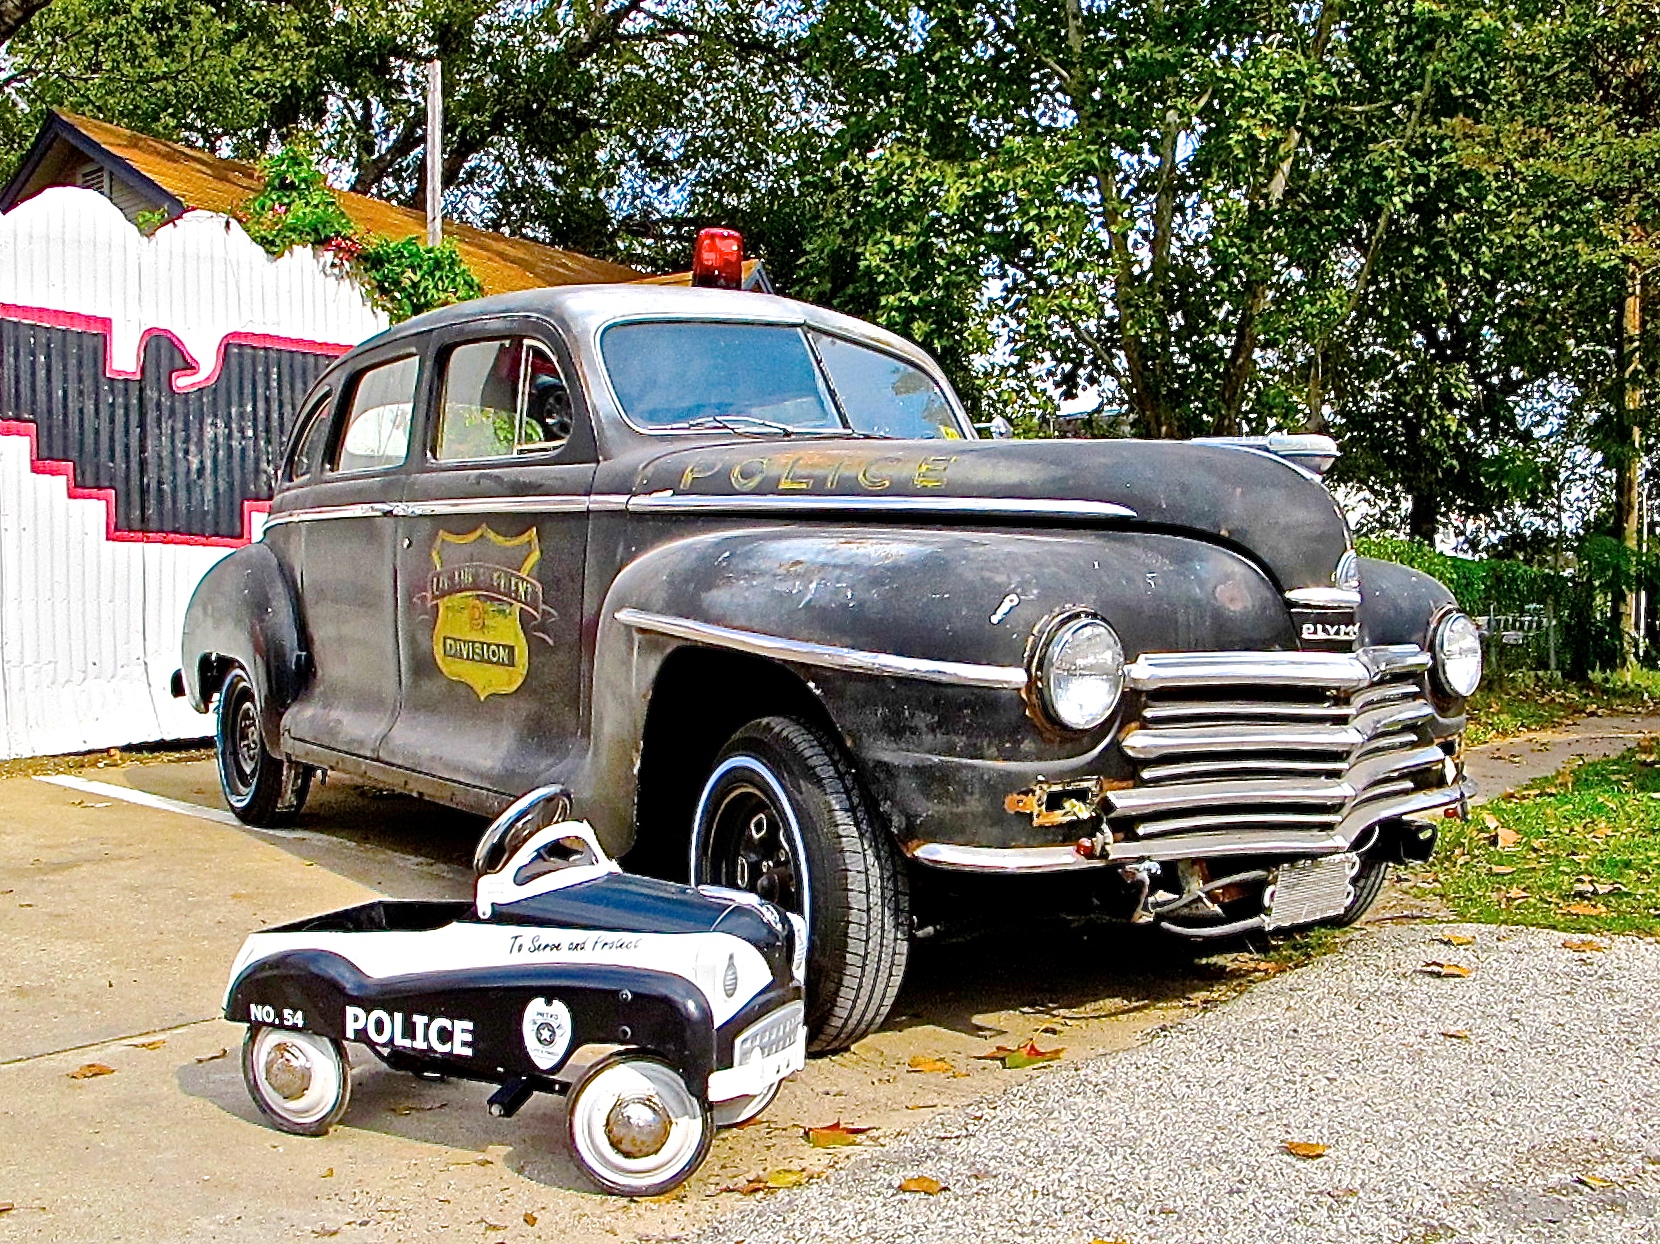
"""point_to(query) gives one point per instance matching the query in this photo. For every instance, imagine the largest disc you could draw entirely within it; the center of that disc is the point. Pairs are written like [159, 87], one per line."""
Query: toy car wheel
[300, 1081]
[783, 816]
[743, 1109]
[262, 789]
[635, 1128]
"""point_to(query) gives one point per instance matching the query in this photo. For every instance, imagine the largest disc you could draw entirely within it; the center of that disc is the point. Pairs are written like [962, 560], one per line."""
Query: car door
[492, 538]
[347, 570]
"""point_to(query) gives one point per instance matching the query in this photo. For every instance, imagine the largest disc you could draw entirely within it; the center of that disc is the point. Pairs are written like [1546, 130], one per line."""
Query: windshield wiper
[733, 423]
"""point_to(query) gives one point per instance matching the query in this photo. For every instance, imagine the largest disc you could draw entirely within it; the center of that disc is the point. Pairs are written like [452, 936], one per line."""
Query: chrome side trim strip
[999, 859]
[323, 512]
[1000, 507]
[1324, 597]
[561, 504]
[609, 502]
[802, 652]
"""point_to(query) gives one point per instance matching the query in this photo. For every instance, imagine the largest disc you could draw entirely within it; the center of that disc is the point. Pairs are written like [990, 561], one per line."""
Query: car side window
[501, 397]
[314, 430]
[884, 394]
[377, 426]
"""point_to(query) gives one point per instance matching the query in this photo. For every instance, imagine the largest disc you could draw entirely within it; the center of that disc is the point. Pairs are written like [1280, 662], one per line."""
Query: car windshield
[763, 378]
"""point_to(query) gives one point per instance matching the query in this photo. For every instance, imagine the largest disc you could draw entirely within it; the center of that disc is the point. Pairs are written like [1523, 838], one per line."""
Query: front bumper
[1289, 754]
[768, 1050]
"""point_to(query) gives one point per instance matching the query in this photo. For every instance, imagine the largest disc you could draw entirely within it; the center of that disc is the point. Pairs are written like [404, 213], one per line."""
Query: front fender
[243, 611]
[1398, 603]
[968, 598]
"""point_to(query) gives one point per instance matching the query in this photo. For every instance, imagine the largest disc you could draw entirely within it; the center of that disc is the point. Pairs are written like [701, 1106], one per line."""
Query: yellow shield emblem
[480, 592]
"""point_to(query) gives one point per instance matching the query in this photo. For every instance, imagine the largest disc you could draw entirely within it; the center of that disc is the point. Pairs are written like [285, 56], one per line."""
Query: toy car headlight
[1081, 672]
[1457, 648]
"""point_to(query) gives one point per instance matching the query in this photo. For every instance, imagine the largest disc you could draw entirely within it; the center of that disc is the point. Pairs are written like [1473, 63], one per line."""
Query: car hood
[1275, 512]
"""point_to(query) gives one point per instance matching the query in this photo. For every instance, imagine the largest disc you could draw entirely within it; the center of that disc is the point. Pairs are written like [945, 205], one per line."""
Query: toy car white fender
[660, 1011]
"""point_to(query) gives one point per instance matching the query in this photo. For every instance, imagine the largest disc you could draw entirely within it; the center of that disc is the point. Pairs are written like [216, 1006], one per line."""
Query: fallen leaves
[1594, 1182]
[211, 1058]
[1501, 836]
[405, 1108]
[1435, 967]
[1306, 1149]
[147, 1045]
[925, 1184]
[1456, 939]
[1585, 909]
[87, 1071]
[784, 1177]
[926, 1062]
[1015, 1057]
[834, 1135]
[328, 1174]
[7, 1207]
[530, 1219]
[1501, 870]
[1457, 1034]
[1583, 946]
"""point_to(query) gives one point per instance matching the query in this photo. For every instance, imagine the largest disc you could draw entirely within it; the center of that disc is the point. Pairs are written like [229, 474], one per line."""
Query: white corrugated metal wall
[89, 624]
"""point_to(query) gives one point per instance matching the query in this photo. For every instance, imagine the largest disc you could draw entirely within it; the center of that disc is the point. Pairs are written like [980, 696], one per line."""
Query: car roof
[585, 309]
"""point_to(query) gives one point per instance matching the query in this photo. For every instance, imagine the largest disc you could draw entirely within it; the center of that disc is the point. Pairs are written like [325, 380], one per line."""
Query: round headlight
[1457, 646]
[1082, 673]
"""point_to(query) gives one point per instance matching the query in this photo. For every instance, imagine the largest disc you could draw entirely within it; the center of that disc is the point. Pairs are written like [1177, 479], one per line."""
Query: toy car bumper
[763, 1053]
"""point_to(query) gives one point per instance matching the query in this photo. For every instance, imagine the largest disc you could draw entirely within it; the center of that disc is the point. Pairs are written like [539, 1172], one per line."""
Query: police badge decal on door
[486, 607]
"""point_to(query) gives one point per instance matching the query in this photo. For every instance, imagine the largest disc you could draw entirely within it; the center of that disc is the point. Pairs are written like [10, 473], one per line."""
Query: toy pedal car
[659, 1011]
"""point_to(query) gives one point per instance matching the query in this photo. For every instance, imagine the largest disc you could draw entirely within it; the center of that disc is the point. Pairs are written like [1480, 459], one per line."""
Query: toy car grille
[1284, 759]
[769, 1036]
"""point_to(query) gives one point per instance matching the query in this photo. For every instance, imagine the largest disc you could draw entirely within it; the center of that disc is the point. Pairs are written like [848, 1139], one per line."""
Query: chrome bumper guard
[1257, 753]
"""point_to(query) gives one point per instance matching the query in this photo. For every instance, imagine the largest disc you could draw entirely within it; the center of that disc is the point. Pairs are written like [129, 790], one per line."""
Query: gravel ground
[1543, 1123]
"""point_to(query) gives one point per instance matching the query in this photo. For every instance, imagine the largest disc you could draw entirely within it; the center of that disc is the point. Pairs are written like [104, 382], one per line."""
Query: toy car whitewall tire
[635, 1128]
[743, 1109]
[782, 815]
[299, 1081]
[261, 789]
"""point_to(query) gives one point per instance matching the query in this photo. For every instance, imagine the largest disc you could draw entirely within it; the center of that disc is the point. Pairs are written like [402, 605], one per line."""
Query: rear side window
[501, 397]
[314, 431]
[377, 426]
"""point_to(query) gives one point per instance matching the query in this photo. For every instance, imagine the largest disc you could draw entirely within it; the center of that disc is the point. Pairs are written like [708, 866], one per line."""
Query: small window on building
[501, 397]
[308, 445]
[377, 427]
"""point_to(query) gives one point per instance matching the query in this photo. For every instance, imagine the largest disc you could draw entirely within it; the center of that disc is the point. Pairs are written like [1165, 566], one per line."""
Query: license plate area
[1304, 891]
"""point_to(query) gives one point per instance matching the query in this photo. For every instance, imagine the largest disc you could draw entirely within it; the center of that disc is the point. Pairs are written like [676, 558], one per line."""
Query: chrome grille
[1278, 752]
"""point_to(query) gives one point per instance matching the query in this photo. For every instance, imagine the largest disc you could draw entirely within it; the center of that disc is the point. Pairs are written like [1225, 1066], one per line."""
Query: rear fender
[243, 613]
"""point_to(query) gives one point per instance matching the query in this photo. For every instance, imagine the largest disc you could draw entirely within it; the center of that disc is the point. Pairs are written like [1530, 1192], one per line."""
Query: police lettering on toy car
[547, 1032]
[437, 1033]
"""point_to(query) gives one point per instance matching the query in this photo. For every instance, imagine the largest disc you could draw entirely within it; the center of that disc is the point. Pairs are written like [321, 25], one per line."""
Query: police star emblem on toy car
[547, 1032]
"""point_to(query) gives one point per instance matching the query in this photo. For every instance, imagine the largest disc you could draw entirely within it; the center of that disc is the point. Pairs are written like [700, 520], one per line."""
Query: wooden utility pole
[1629, 471]
[435, 152]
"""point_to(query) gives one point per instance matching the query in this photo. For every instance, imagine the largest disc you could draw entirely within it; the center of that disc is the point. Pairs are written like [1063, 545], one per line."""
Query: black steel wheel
[782, 815]
[261, 789]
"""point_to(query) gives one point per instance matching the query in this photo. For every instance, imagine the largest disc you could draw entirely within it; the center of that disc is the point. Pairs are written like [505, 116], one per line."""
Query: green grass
[1534, 701]
[1586, 858]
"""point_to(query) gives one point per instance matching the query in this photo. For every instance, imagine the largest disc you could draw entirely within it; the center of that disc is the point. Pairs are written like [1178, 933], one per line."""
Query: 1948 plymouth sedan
[739, 573]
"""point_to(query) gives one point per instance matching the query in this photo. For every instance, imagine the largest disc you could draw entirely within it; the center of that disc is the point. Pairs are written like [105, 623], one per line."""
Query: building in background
[145, 388]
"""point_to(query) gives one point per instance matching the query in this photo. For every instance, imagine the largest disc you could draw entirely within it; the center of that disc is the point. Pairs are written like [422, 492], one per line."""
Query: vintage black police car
[738, 572]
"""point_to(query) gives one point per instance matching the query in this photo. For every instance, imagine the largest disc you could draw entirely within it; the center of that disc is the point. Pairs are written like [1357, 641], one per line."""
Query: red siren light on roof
[718, 259]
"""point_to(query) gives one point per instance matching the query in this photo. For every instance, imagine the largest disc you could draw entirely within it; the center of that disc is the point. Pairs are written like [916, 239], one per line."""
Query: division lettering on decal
[483, 598]
[804, 472]
[394, 1029]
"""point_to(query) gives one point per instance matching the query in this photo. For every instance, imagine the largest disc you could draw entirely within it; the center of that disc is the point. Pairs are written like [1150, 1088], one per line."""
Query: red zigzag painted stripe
[53, 466]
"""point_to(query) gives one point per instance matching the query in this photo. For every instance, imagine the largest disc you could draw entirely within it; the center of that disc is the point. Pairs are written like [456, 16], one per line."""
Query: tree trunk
[1629, 457]
[14, 14]
[1425, 518]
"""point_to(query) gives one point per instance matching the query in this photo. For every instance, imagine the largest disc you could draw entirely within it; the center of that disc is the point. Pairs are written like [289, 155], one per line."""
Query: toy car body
[738, 572]
[642, 1001]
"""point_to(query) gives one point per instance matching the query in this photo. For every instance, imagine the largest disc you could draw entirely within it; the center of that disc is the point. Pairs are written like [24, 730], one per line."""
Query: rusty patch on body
[1062, 803]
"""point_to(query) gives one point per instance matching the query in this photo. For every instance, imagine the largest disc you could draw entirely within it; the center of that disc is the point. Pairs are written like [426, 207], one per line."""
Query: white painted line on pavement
[141, 797]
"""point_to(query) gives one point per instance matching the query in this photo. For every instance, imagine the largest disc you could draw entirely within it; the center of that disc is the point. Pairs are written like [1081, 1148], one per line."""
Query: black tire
[785, 789]
[262, 790]
[1367, 884]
